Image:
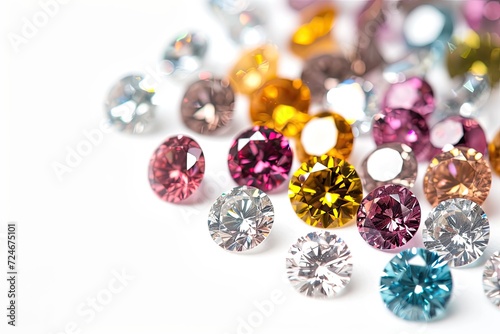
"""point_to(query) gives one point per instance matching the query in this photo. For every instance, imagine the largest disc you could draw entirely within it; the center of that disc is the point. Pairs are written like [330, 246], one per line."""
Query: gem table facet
[319, 265]
[414, 94]
[416, 285]
[491, 279]
[185, 54]
[326, 192]
[458, 230]
[241, 219]
[459, 173]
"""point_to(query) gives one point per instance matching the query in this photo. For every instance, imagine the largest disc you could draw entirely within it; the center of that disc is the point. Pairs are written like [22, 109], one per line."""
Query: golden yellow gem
[281, 104]
[326, 192]
[325, 133]
[254, 68]
[494, 153]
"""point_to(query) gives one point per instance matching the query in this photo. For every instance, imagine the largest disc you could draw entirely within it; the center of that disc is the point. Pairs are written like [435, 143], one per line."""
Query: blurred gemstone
[319, 265]
[301, 4]
[415, 64]
[413, 94]
[392, 163]
[491, 279]
[128, 105]
[185, 54]
[176, 169]
[468, 98]
[482, 15]
[458, 231]
[229, 7]
[459, 173]
[208, 105]
[427, 24]
[282, 105]
[494, 150]
[248, 27]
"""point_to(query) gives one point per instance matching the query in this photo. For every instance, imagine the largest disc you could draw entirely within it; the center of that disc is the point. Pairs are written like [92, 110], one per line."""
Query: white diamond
[491, 279]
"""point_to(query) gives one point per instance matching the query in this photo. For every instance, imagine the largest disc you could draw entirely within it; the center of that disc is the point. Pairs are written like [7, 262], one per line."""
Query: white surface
[103, 217]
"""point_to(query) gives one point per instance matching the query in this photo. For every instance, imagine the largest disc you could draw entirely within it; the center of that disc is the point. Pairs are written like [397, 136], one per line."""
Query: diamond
[426, 24]
[184, 54]
[414, 94]
[389, 217]
[416, 285]
[319, 265]
[282, 105]
[458, 230]
[491, 279]
[128, 105]
[176, 168]
[461, 172]
[260, 157]
[494, 150]
[241, 219]
[468, 98]
[325, 192]
[208, 105]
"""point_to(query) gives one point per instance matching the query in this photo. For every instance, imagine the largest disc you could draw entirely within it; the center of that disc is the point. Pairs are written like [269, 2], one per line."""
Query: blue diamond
[416, 285]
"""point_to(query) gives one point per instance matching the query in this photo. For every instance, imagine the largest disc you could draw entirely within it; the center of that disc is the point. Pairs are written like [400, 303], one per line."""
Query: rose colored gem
[483, 15]
[260, 157]
[403, 126]
[414, 94]
[176, 169]
[389, 217]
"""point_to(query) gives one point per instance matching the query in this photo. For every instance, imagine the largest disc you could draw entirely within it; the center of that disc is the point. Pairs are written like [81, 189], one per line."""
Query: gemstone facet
[260, 157]
[176, 168]
[458, 230]
[241, 219]
[491, 279]
[413, 94]
[319, 265]
[326, 192]
[416, 285]
[469, 97]
[494, 150]
[185, 54]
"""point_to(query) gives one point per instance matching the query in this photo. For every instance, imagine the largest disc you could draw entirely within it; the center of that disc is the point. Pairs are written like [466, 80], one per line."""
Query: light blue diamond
[416, 285]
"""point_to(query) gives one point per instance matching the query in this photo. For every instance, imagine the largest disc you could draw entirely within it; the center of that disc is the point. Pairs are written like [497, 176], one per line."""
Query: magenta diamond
[176, 168]
[414, 94]
[389, 217]
[260, 157]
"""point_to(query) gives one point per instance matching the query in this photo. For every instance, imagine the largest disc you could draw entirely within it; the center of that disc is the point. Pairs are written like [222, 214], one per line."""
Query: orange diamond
[494, 149]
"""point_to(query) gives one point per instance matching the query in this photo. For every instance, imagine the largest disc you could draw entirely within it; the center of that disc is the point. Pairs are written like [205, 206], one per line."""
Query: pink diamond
[414, 94]
[389, 217]
[260, 157]
[176, 168]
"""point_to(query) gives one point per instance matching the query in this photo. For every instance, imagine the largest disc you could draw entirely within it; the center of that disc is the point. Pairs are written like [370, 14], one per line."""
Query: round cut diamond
[319, 265]
[458, 230]
[414, 94]
[389, 217]
[185, 54]
[491, 279]
[241, 219]
[416, 285]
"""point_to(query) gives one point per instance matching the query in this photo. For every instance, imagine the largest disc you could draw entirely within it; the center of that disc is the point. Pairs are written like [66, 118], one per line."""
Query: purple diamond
[414, 94]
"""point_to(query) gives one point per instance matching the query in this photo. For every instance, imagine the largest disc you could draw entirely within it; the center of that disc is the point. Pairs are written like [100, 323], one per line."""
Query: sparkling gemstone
[392, 163]
[491, 279]
[468, 98]
[260, 157]
[208, 105]
[459, 173]
[458, 131]
[427, 24]
[403, 126]
[319, 265]
[254, 68]
[325, 133]
[413, 94]
[494, 150]
[483, 15]
[176, 168]
[326, 192]
[416, 285]
[458, 230]
[185, 54]
[241, 219]
[282, 105]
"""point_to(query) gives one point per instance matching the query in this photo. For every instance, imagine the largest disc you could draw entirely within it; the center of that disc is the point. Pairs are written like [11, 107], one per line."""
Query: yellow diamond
[326, 192]
[494, 150]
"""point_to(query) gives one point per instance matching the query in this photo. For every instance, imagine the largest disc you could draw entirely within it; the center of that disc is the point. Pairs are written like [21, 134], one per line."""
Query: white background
[102, 217]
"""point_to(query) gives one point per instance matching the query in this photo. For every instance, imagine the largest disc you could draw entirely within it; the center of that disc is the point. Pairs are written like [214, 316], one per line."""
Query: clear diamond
[319, 265]
[468, 99]
[241, 219]
[184, 54]
[491, 279]
[458, 230]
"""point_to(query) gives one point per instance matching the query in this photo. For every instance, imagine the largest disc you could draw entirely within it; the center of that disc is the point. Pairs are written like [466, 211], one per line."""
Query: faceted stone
[469, 97]
[323, 72]
[184, 55]
[392, 163]
[319, 265]
[458, 230]
[491, 279]
[208, 105]
[494, 150]
[254, 68]
[129, 107]
[326, 192]
[426, 24]
[260, 157]
[482, 15]
[176, 168]
[458, 131]
[282, 105]
[413, 94]
[403, 126]
[459, 173]
[416, 285]
[241, 219]
[325, 133]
